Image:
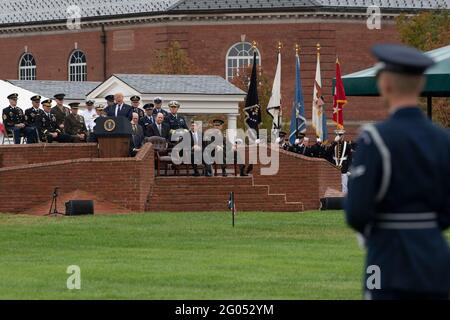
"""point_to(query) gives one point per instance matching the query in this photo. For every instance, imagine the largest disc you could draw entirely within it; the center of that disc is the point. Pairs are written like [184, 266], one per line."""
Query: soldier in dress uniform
[147, 120]
[14, 121]
[74, 124]
[47, 125]
[173, 119]
[399, 189]
[318, 150]
[30, 116]
[89, 115]
[60, 111]
[158, 107]
[135, 102]
[340, 154]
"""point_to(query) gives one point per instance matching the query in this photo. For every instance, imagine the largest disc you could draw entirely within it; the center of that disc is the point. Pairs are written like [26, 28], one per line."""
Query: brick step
[215, 181]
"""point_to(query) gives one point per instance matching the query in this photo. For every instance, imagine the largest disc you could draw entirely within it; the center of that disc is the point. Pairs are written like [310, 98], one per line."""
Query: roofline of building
[163, 14]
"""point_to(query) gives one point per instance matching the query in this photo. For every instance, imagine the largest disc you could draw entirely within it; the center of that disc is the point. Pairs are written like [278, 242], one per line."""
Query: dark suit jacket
[153, 131]
[137, 138]
[126, 111]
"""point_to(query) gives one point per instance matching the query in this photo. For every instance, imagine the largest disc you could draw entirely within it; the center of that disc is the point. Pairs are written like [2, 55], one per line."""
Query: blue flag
[298, 120]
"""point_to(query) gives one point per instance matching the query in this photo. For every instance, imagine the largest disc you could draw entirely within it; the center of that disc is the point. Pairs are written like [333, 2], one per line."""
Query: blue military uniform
[147, 120]
[399, 195]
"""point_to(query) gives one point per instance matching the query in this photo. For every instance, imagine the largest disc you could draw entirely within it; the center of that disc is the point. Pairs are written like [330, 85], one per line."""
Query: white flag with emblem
[317, 105]
[274, 106]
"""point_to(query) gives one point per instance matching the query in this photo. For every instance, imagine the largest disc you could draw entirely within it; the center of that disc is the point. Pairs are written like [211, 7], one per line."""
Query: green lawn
[181, 256]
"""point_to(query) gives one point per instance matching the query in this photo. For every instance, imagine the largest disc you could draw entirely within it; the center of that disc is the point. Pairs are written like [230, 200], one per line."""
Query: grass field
[181, 256]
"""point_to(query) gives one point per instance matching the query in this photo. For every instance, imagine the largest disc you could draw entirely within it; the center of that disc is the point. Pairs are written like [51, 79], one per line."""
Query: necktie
[159, 129]
[134, 128]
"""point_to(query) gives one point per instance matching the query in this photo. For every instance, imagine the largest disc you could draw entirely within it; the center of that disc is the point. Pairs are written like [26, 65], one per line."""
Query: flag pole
[318, 59]
[280, 45]
[297, 49]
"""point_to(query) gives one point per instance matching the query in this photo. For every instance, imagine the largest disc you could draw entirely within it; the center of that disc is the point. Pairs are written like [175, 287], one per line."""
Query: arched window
[77, 66]
[27, 67]
[239, 57]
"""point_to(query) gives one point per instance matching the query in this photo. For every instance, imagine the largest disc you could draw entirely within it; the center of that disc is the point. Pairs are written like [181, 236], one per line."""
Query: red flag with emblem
[2, 129]
[339, 99]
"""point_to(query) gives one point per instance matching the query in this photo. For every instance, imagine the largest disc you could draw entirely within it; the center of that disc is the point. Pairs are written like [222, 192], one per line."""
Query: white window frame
[245, 59]
[77, 71]
[27, 72]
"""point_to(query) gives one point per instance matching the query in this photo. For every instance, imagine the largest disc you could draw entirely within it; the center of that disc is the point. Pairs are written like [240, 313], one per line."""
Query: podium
[113, 135]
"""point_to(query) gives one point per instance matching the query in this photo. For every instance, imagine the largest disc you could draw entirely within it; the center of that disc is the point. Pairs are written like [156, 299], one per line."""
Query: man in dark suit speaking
[119, 109]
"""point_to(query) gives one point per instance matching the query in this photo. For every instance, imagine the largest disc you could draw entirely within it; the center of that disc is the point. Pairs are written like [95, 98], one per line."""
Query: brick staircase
[211, 194]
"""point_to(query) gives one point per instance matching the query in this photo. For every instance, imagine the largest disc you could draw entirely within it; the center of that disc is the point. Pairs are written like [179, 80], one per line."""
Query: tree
[427, 31]
[173, 60]
[241, 81]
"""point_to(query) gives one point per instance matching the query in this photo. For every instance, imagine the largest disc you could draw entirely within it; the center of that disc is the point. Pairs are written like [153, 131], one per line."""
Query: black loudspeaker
[332, 203]
[79, 207]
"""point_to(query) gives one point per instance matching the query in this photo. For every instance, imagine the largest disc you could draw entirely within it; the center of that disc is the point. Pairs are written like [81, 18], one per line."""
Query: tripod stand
[53, 211]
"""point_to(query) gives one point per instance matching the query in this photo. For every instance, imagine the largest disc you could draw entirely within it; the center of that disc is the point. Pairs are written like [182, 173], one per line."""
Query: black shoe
[224, 174]
[196, 174]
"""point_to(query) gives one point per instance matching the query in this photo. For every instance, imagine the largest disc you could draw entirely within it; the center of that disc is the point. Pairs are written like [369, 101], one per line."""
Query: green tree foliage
[426, 31]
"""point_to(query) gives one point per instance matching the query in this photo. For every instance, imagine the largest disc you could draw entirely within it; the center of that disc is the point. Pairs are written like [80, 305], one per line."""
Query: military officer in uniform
[399, 189]
[74, 124]
[14, 120]
[174, 120]
[89, 115]
[30, 116]
[158, 107]
[340, 154]
[47, 125]
[109, 104]
[60, 111]
[135, 101]
[318, 150]
[147, 120]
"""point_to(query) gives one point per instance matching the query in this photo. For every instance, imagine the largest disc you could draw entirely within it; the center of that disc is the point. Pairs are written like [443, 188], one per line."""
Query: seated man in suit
[120, 109]
[197, 147]
[137, 137]
[159, 128]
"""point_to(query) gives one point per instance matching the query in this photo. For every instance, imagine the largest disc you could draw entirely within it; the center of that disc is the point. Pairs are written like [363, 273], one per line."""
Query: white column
[232, 126]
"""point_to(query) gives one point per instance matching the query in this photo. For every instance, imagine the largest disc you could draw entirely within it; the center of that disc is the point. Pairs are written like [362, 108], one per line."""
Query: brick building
[39, 41]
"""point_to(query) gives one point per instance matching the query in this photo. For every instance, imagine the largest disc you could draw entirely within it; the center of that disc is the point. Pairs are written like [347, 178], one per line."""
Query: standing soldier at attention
[135, 101]
[31, 114]
[89, 116]
[47, 126]
[173, 119]
[60, 111]
[399, 189]
[340, 153]
[74, 124]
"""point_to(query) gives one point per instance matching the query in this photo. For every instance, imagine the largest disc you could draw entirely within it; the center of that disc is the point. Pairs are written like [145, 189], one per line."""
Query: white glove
[277, 140]
[297, 141]
[257, 141]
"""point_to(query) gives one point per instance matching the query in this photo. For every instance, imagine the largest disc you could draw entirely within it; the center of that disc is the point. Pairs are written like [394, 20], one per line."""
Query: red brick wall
[301, 178]
[17, 155]
[208, 44]
[122, 181]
